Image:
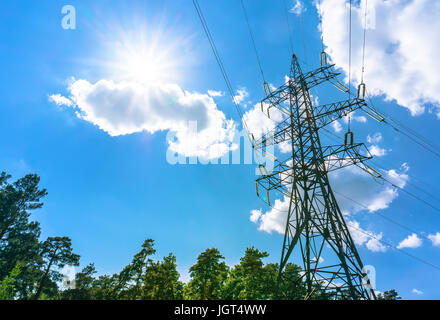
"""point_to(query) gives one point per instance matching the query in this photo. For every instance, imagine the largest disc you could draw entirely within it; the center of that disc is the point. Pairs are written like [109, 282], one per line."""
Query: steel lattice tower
[315, 225]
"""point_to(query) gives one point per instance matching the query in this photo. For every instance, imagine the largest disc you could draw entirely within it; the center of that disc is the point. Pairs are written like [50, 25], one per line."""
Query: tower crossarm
[327, 113]
[335, 157]
[341, 156]
[324, 115]
[318, 76]
[291, 88]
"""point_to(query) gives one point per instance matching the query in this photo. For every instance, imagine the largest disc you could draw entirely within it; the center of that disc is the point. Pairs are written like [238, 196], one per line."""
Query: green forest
[30, 267]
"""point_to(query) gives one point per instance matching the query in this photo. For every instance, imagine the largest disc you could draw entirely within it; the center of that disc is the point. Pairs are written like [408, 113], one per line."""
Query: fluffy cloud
[242, 94]
[354, 183]
[298, 8]
[416, 291]
[375, 138]
[120, 108]
[374, 149]
[255, 215]
[361, 119]
[364, 237]
[274, 219]
[257, 121]
[435, 238]
[353, 117]
[214, 93]
[377, 151]
[412, 241]
[336, 126]
[375, 245]
[400, 62]
[59, 100]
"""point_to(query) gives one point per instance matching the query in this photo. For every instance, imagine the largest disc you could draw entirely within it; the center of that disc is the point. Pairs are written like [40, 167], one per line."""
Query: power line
[363, 46]
[423, 141]
[400, 188]
[320, 23]
[337, 138]
[303, 39]
[253, 40]
[396, 248]
[411, 194]
[349, 64]
[288, 26]
[383, 216]
[415, 133]
[434, 197]
[404, 130]
[219, 61]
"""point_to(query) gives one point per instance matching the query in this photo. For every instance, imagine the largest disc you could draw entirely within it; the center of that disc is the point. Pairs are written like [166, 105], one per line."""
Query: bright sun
[145, 58]
[144, 64]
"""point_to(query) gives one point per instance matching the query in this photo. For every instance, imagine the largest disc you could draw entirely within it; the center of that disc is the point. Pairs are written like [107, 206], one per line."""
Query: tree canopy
[31, 268]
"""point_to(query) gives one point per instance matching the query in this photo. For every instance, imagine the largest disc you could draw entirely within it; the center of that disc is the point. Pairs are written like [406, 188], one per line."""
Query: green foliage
[130, 280]
[7, 289]
[105, 288]
[161, 280]
[18, 235]
[55, 252]
[208, 276]
[389, 295]
[291, 286]
[251, 280]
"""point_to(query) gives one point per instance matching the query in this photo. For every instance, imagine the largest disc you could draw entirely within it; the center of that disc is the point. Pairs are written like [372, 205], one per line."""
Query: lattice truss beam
[315, 226]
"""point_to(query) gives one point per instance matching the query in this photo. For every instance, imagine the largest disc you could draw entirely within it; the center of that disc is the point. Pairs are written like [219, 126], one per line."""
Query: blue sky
[110, 185]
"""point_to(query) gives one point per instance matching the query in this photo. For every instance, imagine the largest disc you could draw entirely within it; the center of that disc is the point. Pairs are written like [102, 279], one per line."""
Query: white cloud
[59, 100]
[375, 138]
[298, 8]
[416, 291]
[242, 94]
[375, 245]
[354, 183]
[412, 241]
[274, 219]
[214, 93]
[285, 147]
[401, 51]
[353, 117]
[257, 121]
[361, 119]
[377, 151]
[364, 237]
[374, 149]
[321, 259]
[435, 238]
[336, 126]
[255, 215]
[120, 108]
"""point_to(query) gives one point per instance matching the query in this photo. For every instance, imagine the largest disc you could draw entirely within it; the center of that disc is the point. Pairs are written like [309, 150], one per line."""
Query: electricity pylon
[315, 224]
